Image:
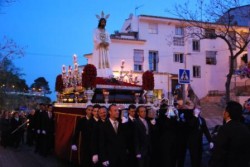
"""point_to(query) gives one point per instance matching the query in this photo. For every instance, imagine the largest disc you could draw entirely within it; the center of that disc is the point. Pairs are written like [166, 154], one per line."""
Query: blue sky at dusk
[54, 30]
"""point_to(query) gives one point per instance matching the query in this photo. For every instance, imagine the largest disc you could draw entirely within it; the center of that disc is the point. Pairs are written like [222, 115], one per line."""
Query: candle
[69, 70]
[63, 69]
[75, 58]
[76, 66]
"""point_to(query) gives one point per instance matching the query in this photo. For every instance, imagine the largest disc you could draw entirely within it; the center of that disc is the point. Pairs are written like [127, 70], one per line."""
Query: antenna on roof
[137, 7]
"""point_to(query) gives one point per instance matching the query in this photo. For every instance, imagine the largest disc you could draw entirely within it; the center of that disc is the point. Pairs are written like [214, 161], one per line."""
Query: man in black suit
[113, 140]
[142, 138]
[154, 137]
[47, 129]
[16, 133]
[130, 135]
[51, 127]
[38, 117]
[102, 115]
[83, 134]
[168, 137]
[232, 144]
[197, 127]
[31, 128]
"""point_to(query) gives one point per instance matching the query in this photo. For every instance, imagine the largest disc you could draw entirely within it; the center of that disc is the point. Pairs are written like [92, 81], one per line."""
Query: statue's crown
[102, 16]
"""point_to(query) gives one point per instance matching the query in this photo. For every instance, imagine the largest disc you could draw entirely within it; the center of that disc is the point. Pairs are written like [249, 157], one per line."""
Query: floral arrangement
[148, 80]
[244, 71]
[89, 76]
[59, 83]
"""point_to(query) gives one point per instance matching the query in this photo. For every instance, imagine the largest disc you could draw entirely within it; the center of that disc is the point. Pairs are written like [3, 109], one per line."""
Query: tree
[217, 20]
[11, 78]
[9, 50]
[41, 85]
[10, 82]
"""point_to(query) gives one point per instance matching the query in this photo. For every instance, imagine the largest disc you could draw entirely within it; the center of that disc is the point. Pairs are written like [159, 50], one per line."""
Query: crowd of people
[143, 137]
[137, 136]
[35, 128]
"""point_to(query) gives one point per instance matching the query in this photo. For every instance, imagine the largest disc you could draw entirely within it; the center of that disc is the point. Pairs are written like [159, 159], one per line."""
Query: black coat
[142, 140]
[232, 146]
[143, 143]
[95, 137]
[48, 123]
[130, 142]
[168, 141]
[113, 145]
[197, 127]
[84, 127]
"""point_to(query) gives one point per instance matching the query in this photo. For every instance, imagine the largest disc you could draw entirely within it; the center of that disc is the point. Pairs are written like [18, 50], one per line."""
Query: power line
[48, 55]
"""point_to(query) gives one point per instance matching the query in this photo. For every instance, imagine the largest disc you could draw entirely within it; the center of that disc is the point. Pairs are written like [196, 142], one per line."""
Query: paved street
[25, 156]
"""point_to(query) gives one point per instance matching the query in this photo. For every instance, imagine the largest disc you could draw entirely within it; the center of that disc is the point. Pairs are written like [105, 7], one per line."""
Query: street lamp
[184, 87]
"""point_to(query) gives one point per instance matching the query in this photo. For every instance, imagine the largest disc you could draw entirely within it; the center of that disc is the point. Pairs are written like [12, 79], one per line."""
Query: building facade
[160, 44]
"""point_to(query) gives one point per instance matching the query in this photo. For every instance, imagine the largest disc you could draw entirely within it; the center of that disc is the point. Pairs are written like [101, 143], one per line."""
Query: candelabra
[72, 79]
[127, 76]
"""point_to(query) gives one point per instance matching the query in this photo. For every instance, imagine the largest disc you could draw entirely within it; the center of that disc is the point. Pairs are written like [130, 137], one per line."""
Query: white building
[159, 44]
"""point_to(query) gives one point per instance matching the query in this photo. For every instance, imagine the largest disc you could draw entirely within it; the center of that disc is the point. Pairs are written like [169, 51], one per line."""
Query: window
[138, 60]
[153, 28]
[178, 41]
[179, 31]
[232, 39]
[178, 57]
[153, 59]
[197, 71]
[196, 45]
[210, 33]
[211, 57]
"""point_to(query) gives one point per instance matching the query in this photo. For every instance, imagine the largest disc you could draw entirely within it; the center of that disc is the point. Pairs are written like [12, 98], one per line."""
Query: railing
[216, 93]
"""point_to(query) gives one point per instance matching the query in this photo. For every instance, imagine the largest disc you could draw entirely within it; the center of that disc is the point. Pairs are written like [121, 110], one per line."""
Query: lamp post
[184, 87]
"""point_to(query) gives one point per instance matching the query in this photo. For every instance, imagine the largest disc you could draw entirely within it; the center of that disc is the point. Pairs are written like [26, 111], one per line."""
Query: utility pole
[184, 95]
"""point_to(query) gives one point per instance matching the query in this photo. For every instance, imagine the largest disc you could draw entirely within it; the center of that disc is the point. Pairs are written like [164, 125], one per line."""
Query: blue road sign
[184, 76]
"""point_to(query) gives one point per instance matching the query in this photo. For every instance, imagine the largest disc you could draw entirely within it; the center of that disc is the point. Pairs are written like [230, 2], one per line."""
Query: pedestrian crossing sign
[184, 76]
